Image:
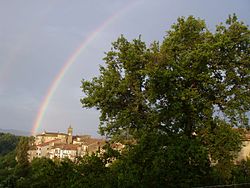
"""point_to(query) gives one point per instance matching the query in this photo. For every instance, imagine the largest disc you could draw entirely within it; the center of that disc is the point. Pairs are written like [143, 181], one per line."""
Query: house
[61, 145]
[245, 150]
[61, 151]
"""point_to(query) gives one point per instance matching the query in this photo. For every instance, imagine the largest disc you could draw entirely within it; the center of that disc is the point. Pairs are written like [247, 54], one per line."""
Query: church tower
[70, 134]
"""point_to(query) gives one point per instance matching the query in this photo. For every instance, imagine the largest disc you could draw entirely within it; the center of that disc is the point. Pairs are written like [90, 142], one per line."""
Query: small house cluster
[61, 145]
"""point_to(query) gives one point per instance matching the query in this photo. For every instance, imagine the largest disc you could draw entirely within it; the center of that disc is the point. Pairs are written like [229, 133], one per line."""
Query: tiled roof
[83, 136]
[90, 141]
[51, 134]
[66, 146]
[47, 143]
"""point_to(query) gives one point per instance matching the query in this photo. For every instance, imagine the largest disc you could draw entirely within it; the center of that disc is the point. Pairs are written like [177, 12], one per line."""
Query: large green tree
[189, 91]
[181, 85]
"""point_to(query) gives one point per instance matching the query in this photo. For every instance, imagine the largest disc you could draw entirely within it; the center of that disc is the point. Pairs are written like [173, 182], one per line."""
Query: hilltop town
[64, 145]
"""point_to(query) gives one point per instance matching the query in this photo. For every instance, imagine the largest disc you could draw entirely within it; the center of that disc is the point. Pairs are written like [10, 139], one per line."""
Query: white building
[61, 145]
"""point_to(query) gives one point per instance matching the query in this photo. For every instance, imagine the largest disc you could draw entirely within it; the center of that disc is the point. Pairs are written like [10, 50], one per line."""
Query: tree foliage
[22, 151]
[8, 143]
[179, 86]
[189, 91]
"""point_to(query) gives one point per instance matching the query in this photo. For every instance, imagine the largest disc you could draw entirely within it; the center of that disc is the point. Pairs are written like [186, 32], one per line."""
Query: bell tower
[70, 134]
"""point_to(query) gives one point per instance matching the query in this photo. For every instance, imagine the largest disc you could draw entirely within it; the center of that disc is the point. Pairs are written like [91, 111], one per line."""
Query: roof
[47, 143]
[66, 146]
[90, 141]
[83, 136]
[51, 134]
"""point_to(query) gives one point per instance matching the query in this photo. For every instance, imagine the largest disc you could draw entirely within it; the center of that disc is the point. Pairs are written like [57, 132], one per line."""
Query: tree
[8, 143]
[22, 151]
[190, 90]
[22, 167]
[7, 166]
[91, 172]
[198, 74]
[43, 173]
[241, 171]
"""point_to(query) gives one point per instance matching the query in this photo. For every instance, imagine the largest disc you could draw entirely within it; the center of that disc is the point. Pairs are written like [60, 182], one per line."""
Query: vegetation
[8, 143]
[173, 104]
[178, 100]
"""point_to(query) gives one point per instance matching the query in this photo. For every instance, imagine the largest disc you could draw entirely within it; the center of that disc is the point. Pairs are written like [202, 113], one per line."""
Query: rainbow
[55, 83]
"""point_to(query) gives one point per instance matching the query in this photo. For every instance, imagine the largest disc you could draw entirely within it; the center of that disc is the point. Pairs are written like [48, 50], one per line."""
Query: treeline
[140, 165]
[8, 143]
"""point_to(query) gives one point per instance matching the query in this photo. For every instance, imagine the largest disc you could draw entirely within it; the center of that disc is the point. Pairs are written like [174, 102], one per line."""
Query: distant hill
[16, 132]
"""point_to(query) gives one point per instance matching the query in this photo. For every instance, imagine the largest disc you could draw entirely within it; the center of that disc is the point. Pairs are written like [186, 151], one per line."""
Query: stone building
[50, 136]
[61, 145]
[245, 150]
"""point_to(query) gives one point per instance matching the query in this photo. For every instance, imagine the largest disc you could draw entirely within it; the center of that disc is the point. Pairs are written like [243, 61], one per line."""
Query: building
[50, 136]
[61, 145]
[245, 150]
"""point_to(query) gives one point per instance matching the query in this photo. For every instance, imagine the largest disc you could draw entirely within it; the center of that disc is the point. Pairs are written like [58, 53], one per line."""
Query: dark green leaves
[188, 92]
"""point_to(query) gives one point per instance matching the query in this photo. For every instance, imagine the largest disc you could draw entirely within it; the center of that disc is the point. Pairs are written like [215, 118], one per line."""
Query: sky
[38, 38]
